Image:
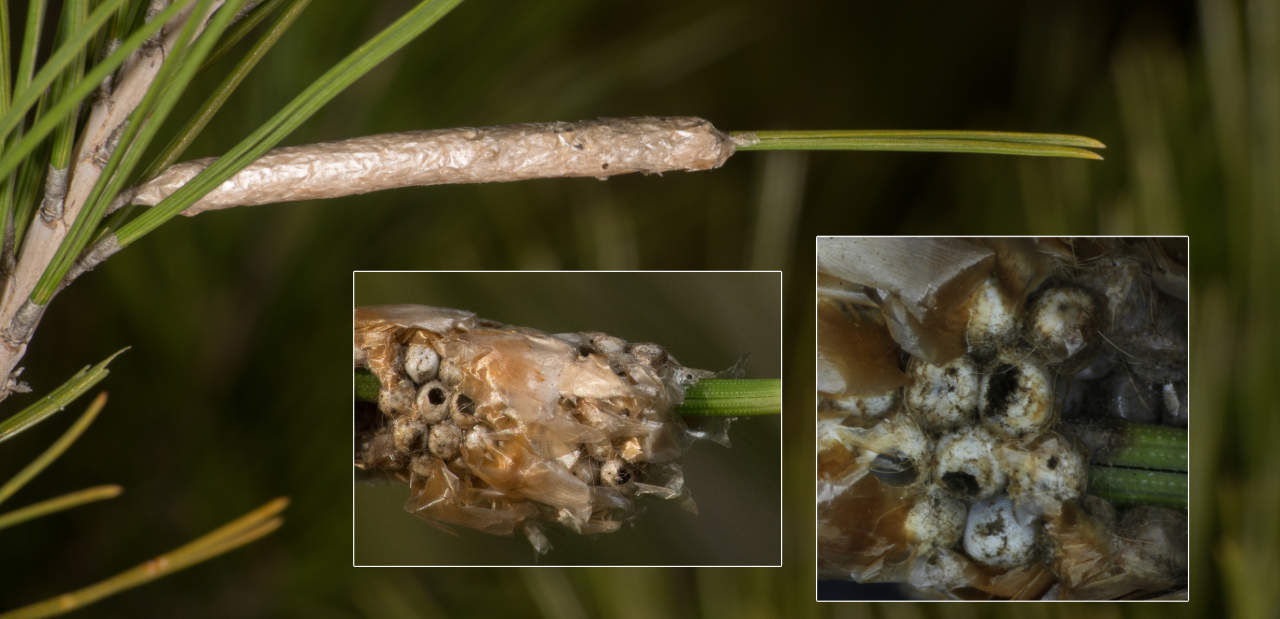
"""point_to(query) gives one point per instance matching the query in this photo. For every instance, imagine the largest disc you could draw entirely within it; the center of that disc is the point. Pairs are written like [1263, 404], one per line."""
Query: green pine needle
[1125, 486]
[57, 399]
[59, 446]
[733, 397]
[27, 97]
[241, 29]
[174, 149]
[30, 46]
[57, 504]
[1152, 447]
[226, 538]
[1135, 445]
[180, 65]
[981, 142]
[5, 79]
[75, 15]
[83, 88]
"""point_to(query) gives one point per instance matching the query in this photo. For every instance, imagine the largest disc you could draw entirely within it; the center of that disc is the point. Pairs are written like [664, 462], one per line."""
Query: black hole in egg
[436, 396]
[962, 483]
[1000, 388]
[465, 404]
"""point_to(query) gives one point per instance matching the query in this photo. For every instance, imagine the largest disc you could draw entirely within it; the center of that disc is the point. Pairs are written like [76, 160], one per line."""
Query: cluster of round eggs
[501, 428]
[966, 461]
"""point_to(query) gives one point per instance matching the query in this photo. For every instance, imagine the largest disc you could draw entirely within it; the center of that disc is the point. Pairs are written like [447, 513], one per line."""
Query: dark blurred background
[236, 389]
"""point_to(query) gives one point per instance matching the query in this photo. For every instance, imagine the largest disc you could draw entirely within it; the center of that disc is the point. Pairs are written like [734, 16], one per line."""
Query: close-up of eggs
[994, 414]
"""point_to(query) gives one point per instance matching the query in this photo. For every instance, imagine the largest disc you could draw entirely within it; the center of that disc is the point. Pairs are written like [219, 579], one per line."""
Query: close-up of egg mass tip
[506, 429]
[1002, 418]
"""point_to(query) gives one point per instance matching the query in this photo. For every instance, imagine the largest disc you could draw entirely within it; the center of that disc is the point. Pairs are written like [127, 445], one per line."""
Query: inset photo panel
[1002, 418]
[566, 418]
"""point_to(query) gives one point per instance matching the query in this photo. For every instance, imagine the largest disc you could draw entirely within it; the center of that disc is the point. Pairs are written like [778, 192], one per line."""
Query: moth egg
[444, 440]
[993, 535]
[605, 343]
[898, 451]
[462, 410]
[648, 353]
[1017, 398]
[968, 463]
[396, 398]
[992, 319]
[1047, 474]
[1061, 323]
[904, 451]
[406, 433]
[940, 570]
[450, 372]
[685, 377]
[936, 520]
[943, 397]
[421, 466]
[421, 362]
[433, 402]
[866, 406]
[615, 472]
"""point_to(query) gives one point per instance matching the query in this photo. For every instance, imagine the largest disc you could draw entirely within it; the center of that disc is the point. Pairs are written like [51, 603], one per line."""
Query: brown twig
[18, 315]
